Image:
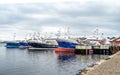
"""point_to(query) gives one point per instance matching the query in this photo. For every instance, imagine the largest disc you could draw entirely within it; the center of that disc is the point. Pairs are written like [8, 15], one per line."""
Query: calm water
[25, 62]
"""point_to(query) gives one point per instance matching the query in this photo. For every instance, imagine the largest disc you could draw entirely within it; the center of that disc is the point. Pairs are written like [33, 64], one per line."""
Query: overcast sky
[82, 17]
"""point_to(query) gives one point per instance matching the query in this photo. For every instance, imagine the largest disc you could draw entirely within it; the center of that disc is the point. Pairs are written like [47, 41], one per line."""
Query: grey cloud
[95, 9]
[80, 18]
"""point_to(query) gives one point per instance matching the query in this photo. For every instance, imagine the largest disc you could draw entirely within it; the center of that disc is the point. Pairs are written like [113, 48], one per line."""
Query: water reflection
[46, 62]
[65, 56]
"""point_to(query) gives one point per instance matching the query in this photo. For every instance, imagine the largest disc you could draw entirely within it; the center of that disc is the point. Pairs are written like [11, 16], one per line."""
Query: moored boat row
[65, 44]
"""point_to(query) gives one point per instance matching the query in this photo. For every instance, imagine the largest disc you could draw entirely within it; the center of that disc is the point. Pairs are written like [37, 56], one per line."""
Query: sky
[82, 17]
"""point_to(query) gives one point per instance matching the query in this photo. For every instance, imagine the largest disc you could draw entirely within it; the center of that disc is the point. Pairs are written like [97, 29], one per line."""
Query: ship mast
[97, 30]
[14, 36]
[59, 33]
[68, 32]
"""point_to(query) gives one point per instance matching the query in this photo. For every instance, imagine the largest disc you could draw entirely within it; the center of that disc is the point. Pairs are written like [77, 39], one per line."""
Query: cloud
[81, 17]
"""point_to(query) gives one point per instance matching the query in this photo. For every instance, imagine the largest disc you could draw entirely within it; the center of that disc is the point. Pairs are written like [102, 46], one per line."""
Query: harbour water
[25, 62]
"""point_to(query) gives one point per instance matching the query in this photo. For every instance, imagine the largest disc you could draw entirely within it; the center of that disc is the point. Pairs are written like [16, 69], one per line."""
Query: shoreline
[96, 68]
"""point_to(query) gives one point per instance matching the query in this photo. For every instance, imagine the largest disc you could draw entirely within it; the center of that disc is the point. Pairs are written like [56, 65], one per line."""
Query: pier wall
[102, 49]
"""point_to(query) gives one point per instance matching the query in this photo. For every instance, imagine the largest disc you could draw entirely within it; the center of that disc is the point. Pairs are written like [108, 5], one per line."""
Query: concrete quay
[110, 66]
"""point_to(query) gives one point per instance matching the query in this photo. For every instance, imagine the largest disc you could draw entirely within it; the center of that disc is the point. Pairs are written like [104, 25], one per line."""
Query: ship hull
[65, 46]
[66, 43]
[12, 45]
[16, 45]
[65, 50]
[41, 45]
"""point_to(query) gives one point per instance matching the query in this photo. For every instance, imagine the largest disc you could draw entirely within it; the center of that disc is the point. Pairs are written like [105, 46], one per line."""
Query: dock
[110, 66]
[100, 49]
[83, 49]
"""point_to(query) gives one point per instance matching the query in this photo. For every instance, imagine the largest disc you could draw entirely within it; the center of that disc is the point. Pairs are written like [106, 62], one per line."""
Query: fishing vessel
[16, 43]
[37, 44]
[40, 42]
[65, 44]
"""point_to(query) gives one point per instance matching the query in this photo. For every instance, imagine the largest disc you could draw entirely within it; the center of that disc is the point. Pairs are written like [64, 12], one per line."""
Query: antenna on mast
[59, 33]
[14, 36]
[96, 32]
[68, 32]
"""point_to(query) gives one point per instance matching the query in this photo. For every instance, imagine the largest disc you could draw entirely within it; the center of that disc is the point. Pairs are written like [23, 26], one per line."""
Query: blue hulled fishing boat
[66, 45]
[16, 43]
